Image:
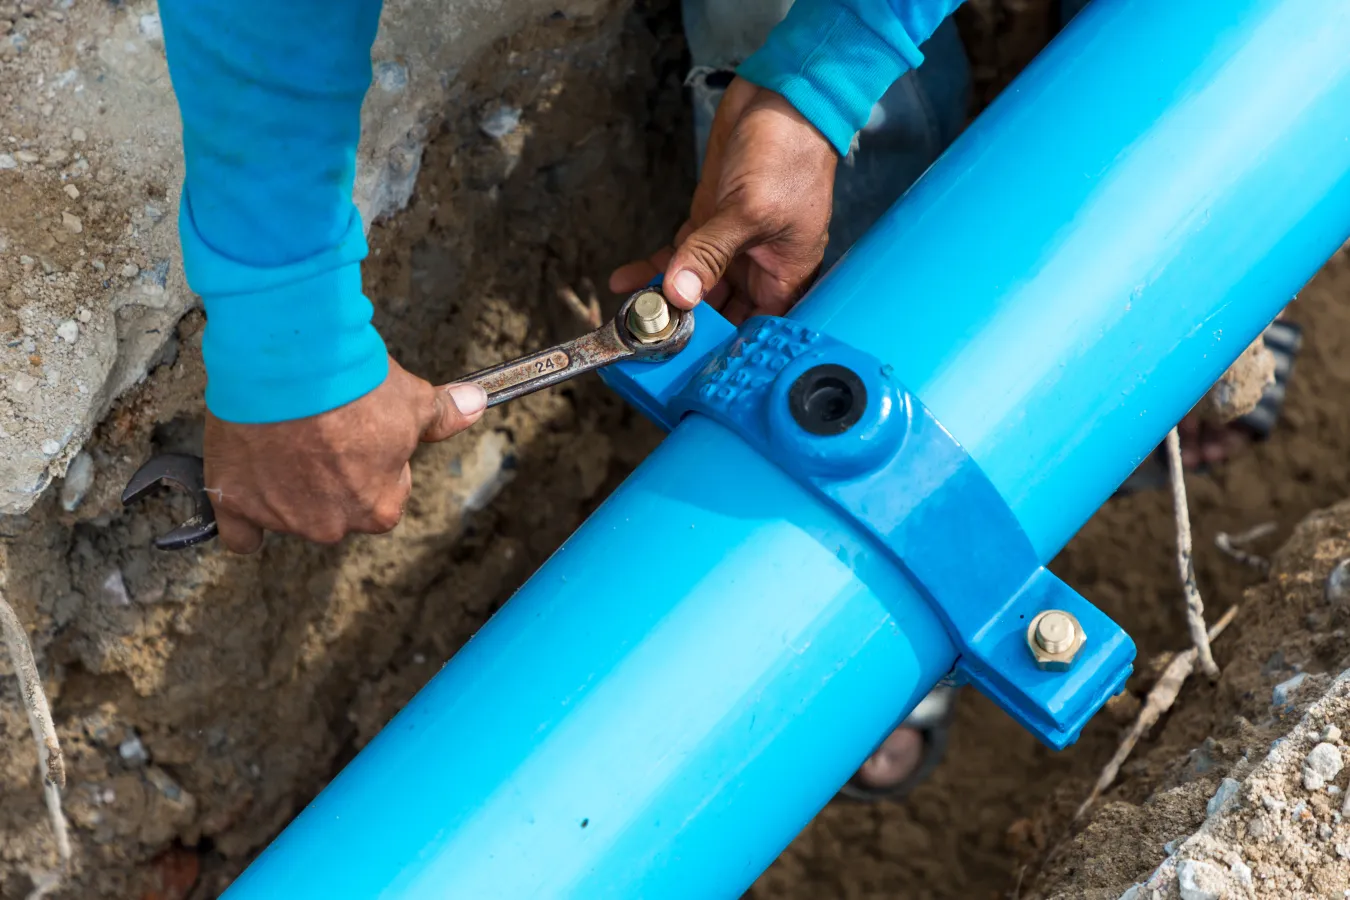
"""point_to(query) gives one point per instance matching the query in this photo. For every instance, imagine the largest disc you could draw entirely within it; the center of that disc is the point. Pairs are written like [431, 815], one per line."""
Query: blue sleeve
[270, 94]
[833, 59]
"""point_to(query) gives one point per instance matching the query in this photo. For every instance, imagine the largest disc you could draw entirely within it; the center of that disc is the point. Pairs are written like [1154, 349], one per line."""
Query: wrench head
[181, 472]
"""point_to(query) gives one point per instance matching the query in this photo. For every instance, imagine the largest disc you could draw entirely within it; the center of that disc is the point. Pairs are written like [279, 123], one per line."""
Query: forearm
[270, 95]
[833, 59]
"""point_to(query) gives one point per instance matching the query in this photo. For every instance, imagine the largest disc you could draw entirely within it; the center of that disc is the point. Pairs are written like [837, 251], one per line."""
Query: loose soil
[203, 699]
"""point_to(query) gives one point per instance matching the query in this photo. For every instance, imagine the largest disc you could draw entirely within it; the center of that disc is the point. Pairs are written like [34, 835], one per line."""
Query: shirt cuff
[832, 65]
[284, 342]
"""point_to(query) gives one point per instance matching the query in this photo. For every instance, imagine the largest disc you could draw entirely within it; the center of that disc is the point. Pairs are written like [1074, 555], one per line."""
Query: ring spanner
[646, 329]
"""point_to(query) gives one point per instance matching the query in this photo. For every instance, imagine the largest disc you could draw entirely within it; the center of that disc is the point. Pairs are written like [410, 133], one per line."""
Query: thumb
[702, 258]
[457, 407]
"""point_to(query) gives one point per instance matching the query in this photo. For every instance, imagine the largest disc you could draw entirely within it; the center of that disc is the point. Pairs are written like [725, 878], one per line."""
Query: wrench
[646, 329]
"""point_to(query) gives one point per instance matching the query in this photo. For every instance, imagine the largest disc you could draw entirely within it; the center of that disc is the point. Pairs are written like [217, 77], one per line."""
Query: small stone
[99, 265]
[150, 27]
[1280, 695]
[1343, 851]
[114, 589]
[22, 383]
[79, 478]
[1241, 871]
[1321, 765]
[68, 331]
[26, 156]
[71, 223]
[391, 77]
[133, 751]
[57, 156]
[500, 122]
[1257, 829]
[8, 162]
[77, 135]
[1200, 880]
[1331, 734]
[1337, 588]
[72, 191]
[1324, 831]
[84, 315]
[1227, 792]
[51, 447]
[130, 270]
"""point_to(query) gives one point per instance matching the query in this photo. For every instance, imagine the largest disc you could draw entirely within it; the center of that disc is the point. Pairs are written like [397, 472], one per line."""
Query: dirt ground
[203, 699]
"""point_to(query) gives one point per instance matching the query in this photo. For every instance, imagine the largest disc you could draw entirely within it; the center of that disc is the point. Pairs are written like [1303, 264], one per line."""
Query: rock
[114, 589]
[8, 162]
[133, 751]
[150, 27]
[1337, 588]
[72, 191]
[84, 315]
[1241, 871]
[77, 135]
[79, 478]
[1200, 880]
[500, 122]
[26, 156]
[1331, 734]
[1226, 793]
[1322, 764]
[68, 331]
[129, 270]
[50, 447]
[1325, 831]
[22, 383]
[1285, 689]
[71, 223]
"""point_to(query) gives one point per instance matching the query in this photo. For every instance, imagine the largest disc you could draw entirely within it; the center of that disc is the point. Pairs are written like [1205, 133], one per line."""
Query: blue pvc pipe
[691, 677]
[1077, 269]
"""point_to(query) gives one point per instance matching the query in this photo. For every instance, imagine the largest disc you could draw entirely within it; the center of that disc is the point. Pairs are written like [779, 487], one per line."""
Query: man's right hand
[327, 476]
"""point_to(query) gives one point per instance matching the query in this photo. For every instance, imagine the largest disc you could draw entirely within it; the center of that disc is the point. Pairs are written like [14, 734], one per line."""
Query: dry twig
[1195, 607]
[50, 762]
[586, 311]
[1232, 544]
[1159, 701]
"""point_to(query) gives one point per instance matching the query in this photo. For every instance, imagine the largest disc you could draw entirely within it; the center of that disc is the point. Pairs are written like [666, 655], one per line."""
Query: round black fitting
[827, 400]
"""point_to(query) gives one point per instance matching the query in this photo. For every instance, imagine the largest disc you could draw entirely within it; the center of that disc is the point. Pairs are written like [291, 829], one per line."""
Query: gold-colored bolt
[1054, 638]
[649, 315]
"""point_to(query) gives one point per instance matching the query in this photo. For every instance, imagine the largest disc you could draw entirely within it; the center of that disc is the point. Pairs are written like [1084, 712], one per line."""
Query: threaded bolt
[1055, 632]
[650, 315]
[1055, 638]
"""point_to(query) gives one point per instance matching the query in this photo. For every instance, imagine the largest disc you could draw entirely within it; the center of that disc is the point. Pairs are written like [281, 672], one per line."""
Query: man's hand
[333, 474]
[757, 226]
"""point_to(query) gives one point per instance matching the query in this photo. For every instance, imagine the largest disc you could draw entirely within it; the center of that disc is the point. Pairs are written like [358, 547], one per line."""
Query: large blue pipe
[690, 678]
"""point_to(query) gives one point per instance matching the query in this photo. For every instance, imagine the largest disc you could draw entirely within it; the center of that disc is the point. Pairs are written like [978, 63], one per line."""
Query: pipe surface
[1058, 289]
[1097, 248]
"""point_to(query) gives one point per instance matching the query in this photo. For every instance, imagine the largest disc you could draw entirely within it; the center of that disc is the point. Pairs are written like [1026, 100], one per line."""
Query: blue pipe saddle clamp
[838, 421]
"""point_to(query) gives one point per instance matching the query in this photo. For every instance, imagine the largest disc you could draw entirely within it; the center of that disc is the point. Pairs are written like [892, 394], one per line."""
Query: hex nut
[1055, 638]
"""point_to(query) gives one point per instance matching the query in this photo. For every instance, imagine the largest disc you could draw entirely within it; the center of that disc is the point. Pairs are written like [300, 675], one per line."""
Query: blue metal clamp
[904, 479]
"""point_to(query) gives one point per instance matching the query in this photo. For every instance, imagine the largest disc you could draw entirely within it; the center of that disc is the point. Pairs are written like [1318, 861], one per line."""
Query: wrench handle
[518, 377]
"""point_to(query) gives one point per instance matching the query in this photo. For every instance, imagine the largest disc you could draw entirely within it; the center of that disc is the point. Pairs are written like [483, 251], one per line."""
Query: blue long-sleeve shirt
[270, 95]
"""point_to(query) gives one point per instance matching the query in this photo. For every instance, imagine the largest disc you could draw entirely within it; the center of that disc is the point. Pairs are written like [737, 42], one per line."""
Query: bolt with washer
[649, 317]
[1054, 638]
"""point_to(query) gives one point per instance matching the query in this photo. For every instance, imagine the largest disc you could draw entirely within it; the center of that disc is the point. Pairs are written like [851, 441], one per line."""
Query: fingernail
[469, 399]
[688, 285]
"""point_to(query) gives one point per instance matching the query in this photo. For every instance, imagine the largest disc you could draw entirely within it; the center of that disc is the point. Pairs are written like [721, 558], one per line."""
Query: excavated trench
[202, 699]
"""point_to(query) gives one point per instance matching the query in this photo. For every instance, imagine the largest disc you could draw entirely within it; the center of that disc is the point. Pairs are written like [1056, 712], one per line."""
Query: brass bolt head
[1054, 638]
[650, 314]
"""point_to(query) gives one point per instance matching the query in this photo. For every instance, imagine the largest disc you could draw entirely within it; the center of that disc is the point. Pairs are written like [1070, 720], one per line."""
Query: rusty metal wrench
[646, 328]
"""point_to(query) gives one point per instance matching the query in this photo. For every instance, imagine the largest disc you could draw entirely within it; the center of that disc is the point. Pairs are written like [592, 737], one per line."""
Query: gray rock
[1226, 793]
[79, 478]
[1200, 880]
[1321, 765]
[500, 122]
[1286, 689]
